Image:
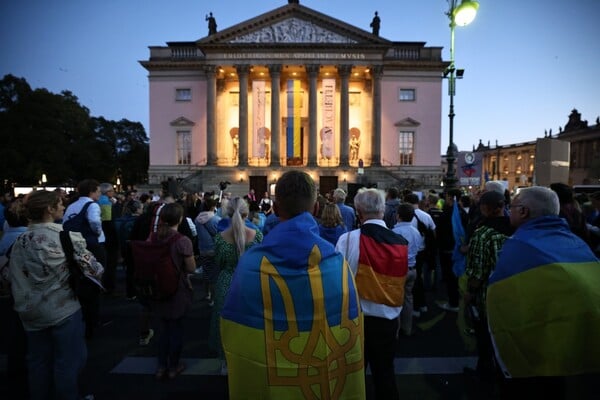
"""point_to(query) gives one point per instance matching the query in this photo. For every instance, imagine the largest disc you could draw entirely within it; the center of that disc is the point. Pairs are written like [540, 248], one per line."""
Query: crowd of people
[524, 267]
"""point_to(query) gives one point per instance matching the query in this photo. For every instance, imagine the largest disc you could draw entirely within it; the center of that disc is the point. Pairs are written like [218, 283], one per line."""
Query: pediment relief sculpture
[293, 30]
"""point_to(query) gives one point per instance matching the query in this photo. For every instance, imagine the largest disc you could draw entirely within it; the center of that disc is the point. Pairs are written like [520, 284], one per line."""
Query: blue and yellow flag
[291, 325]
[543, 302]
[458, 259]
[294, 117]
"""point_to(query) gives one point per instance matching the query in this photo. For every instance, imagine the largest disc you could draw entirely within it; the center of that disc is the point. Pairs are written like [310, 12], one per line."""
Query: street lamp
[460, 15]
[44, 181]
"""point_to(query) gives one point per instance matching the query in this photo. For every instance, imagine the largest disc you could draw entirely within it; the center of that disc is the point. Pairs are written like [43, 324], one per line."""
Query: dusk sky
[527, 63]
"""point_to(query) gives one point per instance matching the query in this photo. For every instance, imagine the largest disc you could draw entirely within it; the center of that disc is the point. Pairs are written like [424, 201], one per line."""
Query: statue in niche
[233, 132]
[326, 142]
[212, 24]
[354, 143]
[264, 137]
[375, 24]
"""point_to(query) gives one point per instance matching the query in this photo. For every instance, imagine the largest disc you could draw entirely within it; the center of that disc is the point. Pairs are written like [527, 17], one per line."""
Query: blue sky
[527, 63]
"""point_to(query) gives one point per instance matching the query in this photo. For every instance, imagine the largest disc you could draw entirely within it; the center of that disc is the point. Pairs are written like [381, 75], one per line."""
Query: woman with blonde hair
[331, 226]
[229, 246]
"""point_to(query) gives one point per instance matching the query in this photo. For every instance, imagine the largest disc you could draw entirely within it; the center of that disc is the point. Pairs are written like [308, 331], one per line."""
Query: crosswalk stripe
[212, 366]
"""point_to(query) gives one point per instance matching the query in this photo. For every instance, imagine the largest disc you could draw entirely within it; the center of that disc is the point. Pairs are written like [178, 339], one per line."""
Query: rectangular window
[184, 147]
[183, 94]
[406, 95]
[406, 146]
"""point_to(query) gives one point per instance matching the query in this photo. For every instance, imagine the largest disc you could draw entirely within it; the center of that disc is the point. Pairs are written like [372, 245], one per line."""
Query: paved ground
[429, 364]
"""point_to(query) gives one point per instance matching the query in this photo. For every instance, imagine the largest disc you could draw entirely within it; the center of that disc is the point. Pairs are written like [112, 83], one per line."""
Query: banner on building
[259, 129]
[294, 121]
[468, 168]
[328, 130]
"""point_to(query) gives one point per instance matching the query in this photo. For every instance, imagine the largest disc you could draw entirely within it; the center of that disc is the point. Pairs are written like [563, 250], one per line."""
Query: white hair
[539, 200]
[494, 186]
[370, 202]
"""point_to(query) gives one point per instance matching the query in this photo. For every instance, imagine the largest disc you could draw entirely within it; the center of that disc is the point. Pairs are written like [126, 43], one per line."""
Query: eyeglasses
[517, 206]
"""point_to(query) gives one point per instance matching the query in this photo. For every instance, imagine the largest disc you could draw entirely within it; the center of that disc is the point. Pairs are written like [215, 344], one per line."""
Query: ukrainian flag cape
[543, 302]
[291, 325]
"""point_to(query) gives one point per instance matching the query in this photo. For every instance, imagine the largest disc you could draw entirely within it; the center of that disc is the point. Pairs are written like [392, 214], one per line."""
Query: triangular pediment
[293, 30]
[182, 121]
[408, 122]
[293, 24]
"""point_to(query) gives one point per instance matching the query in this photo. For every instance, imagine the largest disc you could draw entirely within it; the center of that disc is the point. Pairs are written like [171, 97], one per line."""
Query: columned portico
[294, 88]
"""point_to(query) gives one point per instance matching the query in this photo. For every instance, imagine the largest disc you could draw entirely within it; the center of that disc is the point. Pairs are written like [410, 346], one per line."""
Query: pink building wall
[164, 109]
[426, 110]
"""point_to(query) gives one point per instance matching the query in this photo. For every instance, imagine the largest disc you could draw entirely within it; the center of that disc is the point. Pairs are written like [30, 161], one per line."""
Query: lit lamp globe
[465, 13]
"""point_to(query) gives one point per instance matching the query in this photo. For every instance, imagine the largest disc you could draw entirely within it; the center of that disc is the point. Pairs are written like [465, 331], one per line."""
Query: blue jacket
[206, 227]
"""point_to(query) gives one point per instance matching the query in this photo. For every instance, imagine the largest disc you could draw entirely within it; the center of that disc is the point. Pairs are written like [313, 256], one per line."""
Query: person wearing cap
[348, 214]
[392, 201]
[485, 243]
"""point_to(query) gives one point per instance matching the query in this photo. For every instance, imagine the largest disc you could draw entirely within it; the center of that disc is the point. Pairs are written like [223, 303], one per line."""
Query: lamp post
[460, 15]
[44, 181]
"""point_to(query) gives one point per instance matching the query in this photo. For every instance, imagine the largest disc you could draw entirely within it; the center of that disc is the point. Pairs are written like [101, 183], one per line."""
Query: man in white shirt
[89, 191]
[427, 253]
[415, 244]
[378, 258]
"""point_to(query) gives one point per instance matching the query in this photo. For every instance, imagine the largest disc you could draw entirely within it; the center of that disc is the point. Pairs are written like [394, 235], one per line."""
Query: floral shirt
[39, 275]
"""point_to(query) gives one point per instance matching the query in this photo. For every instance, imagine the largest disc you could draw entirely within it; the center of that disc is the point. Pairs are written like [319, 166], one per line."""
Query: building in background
[295, 88]
[584, 167]
[572, 156]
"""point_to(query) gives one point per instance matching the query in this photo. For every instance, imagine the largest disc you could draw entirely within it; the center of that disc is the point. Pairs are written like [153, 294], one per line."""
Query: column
[344, 71]
[211, 114]
[313, 73]
[242, 71]
[377, 72]
[275, 71]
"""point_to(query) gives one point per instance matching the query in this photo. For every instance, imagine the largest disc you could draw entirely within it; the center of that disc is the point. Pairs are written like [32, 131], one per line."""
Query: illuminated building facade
[295, 88]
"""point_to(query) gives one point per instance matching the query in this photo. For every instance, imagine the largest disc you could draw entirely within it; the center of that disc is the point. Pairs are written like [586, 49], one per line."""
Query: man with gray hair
[494, 186]
[348, 214]
[378, 258]
[543, 302]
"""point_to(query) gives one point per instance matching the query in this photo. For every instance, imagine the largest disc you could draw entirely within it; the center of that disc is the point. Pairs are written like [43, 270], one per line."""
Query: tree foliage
[44, 132]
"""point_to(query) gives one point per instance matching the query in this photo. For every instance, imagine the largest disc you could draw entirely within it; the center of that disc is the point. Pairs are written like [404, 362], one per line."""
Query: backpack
[79, 223]
[155, 276]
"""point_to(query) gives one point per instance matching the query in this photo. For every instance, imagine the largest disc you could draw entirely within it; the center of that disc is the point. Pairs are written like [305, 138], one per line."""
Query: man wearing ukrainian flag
[291, 325]
[543, 301]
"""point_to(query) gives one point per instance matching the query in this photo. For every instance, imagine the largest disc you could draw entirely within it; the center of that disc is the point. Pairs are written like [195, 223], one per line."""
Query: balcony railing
[398, 51]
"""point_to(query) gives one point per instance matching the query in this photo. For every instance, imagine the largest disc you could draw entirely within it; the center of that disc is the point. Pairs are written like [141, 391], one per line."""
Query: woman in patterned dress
[229, 246]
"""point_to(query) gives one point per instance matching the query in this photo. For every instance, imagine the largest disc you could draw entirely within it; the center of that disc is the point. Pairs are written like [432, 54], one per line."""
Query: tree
[43, 132]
